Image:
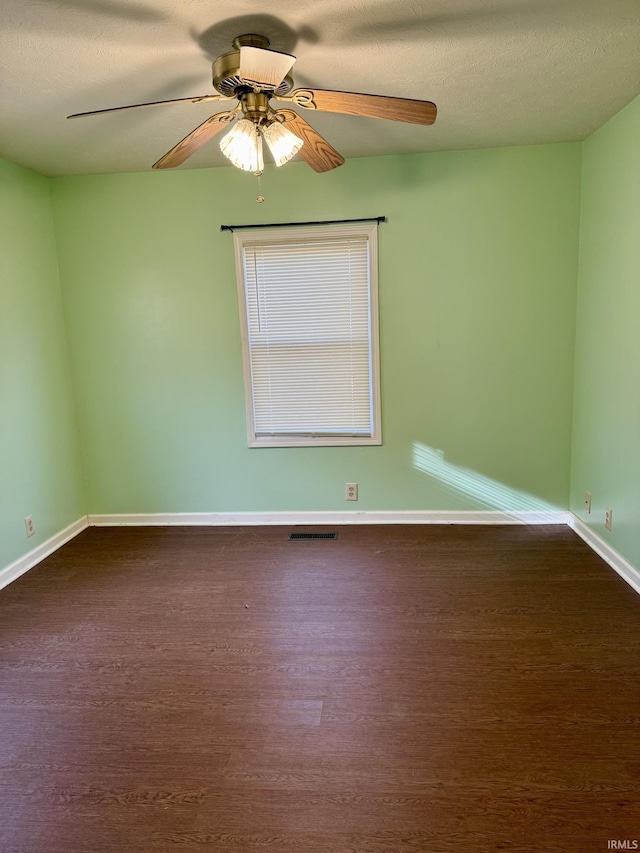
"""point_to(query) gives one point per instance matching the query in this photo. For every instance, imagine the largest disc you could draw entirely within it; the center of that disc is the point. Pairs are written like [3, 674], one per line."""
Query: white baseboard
[37, 555]
[618, 563]
[162, 519]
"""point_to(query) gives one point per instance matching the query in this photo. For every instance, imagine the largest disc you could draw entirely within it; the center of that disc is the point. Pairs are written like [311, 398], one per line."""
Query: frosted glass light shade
[243, 146]
[282, 143]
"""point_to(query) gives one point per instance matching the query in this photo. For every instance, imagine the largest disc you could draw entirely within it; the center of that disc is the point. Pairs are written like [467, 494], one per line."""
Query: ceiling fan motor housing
[226, 68]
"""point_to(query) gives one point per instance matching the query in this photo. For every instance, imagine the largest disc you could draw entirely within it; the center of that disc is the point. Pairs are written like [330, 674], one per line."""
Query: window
[309, 319]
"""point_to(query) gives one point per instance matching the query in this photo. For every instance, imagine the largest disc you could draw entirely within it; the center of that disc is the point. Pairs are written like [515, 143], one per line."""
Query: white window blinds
[310, 327]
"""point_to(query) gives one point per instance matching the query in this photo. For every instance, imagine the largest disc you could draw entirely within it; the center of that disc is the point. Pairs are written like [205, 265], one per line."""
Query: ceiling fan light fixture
[243, 146]
[282, 143]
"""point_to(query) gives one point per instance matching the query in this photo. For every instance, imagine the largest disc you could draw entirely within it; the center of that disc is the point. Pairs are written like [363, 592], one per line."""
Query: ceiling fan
[253, 75]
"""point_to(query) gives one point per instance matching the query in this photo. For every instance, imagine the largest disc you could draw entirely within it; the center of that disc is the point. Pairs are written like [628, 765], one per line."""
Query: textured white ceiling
[502, 72]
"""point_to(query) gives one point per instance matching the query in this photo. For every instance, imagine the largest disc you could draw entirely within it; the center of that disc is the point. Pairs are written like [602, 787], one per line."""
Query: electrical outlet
[587, 502]
[608, 518]
[28, 526]
[351, 492]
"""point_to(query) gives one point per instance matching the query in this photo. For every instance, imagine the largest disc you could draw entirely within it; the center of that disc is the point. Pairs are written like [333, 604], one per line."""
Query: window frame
[305, 234]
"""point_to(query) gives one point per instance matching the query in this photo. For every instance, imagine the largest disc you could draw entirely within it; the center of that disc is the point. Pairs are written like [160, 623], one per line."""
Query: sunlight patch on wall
[483, 490]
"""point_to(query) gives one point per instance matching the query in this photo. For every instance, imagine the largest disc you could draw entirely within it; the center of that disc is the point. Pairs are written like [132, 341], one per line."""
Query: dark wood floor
[408, 688]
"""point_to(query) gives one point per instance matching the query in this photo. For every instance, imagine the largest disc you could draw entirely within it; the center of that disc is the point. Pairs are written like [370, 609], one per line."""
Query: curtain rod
[288, 224]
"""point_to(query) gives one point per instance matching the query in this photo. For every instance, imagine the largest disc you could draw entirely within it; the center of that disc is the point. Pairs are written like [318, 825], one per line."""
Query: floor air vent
[313, 536]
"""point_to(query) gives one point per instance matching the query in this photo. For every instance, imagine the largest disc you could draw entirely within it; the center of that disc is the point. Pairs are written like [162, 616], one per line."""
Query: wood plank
[403, 689]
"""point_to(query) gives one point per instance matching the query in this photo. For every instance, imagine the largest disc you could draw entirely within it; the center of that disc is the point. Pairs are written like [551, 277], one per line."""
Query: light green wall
[606, 437]
[478, 268]
[39, 450]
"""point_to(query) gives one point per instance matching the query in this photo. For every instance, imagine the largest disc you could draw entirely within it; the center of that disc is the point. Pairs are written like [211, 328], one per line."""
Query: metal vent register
[313, 536]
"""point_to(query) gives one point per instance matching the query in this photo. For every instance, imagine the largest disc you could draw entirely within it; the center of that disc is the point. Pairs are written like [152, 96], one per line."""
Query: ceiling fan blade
[264, 68]
[315, 150]
[194, 140]
[372, 106]
[195, 100]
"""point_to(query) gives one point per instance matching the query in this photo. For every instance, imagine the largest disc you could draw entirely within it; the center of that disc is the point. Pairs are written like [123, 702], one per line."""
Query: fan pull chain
[259, 197]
